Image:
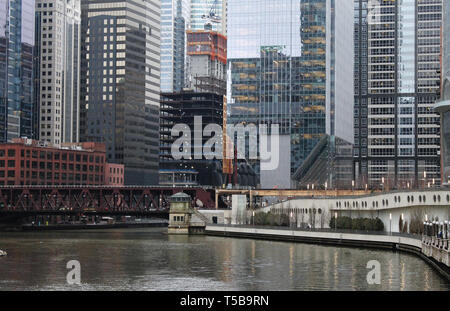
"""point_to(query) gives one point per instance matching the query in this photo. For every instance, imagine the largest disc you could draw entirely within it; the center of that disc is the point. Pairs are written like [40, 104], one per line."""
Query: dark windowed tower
[120, 83]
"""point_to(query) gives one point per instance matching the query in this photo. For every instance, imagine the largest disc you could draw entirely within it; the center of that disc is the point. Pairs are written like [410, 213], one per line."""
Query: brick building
[30, 162]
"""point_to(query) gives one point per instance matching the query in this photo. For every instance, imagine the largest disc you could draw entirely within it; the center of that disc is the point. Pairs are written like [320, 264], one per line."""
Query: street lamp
[335, 221]
[390, 224]
[424, 178]
[382, 181]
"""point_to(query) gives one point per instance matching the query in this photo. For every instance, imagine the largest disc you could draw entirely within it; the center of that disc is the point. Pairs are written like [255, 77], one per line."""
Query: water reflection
[148, 259]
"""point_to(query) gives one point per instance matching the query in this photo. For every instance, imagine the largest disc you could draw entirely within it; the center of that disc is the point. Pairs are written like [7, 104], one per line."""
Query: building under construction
[190, 108]
[207, 61]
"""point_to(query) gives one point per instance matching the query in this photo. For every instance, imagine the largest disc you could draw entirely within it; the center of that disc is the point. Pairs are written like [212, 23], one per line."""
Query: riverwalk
[397, 242]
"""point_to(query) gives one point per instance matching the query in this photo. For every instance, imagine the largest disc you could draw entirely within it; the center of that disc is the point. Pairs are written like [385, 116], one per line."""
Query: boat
[3, 253]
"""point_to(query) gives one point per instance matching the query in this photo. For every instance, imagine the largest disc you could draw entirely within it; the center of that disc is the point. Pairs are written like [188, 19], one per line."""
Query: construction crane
[213, 17]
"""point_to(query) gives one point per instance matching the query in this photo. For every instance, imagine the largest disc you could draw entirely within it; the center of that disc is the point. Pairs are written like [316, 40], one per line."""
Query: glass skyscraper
[289, 64]
[397, 63]
[175, 20]
[120, 83]
[17, 25]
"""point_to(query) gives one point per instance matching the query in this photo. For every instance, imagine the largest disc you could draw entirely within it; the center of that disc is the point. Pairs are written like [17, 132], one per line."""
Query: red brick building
[30, 162]
[114, 174]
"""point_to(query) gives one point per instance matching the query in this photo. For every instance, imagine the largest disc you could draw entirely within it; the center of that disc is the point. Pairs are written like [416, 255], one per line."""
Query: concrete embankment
[398, 243]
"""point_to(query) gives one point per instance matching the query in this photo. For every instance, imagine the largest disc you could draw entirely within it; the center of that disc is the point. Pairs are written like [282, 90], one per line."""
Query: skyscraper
[121, 83]
[58, 74]
[175, 20]
[289, 64]
[202, 8]
[443, 106]
[397, 61]
[16, 69]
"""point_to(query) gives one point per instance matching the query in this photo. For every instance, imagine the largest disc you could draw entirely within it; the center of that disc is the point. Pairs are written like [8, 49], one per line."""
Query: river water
[149, 259]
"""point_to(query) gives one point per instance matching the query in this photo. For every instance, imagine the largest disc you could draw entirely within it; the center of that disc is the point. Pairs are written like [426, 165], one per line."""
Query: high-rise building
[290, 64]
[200, 11]
[175, 20]
[16, 69]
[203, 99]
[397, 61]
[58, 73]
[443, 106]
[120, 90]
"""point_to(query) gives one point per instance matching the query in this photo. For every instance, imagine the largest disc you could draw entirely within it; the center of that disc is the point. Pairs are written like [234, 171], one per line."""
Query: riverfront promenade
[400, 242]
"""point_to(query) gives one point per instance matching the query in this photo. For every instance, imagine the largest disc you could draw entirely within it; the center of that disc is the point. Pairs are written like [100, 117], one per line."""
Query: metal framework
[95, 199]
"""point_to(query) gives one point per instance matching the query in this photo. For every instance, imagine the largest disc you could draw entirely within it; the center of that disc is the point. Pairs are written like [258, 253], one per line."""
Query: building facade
[397, 63]
[175, 21]
[289, 65]
[30, 162]
[17, 30]
[58, 74]
[121, 83]
[443, 106]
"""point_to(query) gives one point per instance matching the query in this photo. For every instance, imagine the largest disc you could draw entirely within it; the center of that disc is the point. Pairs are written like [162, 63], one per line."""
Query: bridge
[129, 200]
[23, 201]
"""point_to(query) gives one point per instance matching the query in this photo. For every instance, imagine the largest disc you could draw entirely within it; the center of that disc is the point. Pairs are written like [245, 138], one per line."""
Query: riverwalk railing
[327, 230]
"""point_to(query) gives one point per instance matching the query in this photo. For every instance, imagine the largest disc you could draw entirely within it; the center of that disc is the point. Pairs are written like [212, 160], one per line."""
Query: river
[149, 259]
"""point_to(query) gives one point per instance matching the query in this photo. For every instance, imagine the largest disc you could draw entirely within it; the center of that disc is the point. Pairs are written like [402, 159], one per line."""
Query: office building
[175, 21]
[58, 73]
[30, 162]
[397, 64]
[443, 105]
[290, 64]
[17, 30]
[120, 81]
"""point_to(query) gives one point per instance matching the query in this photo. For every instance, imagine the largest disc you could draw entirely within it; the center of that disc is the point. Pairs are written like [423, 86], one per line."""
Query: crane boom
[213, 16]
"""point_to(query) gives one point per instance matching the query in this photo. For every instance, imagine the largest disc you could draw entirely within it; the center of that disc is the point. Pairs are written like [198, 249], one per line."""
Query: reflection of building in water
[329, 163]
[443, 106]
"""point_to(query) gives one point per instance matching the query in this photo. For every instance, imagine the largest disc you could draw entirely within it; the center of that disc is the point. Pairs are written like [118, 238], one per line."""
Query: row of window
[50, 176]
[49, 155]
[385, 202]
